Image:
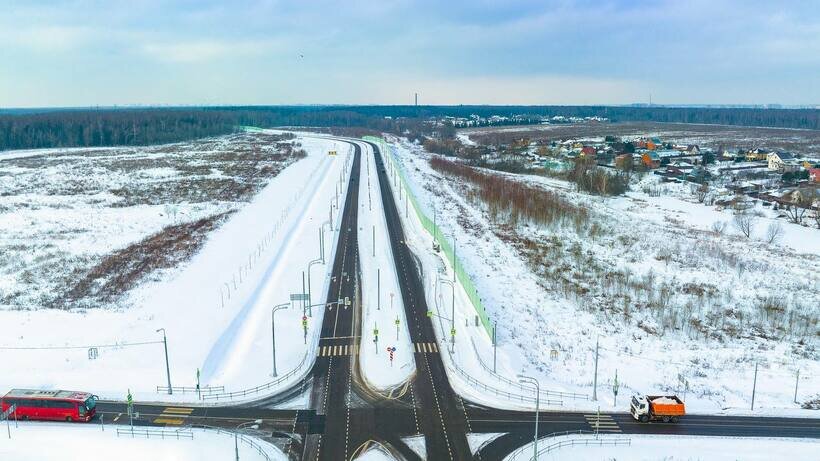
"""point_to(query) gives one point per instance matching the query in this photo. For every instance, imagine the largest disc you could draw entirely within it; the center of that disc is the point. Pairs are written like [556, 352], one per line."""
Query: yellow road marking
[174, 421]
[180, 411]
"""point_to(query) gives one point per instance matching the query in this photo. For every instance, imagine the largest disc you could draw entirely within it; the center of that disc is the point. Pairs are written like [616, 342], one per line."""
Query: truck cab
[639, 408]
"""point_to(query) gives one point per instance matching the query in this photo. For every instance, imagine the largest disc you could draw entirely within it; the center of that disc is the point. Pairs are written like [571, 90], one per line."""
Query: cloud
[47, 39]
[195, 51]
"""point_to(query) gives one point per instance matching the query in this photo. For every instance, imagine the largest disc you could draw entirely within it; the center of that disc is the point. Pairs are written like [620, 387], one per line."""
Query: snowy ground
[548, 330]
[684, 448]
[216, 308]
[379, 271]
[32, 441]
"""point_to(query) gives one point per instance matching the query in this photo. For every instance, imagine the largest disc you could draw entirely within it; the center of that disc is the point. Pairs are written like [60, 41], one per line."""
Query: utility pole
[374, 241]
[378, 289]
[167, 366]
[796, 382]
[595, 379]
[754, 388]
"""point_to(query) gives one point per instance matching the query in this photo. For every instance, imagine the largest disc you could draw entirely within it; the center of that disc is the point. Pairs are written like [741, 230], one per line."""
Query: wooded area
[41, 128]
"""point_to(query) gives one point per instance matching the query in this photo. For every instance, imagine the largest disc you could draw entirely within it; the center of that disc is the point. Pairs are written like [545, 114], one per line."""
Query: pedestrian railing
[573, 438]
[153, 433]
[204, 390]
[516, 384]
[512, 396]
[240, 437]
[242, 393]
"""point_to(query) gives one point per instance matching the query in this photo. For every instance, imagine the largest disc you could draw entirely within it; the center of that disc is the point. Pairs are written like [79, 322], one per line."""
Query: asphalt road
[345, 416]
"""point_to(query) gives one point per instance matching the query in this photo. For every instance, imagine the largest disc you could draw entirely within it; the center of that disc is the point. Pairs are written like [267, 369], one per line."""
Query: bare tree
[800, 202]
[745, 223]
[701, 192]
[774, 232]
[816, 215]
[718, 227]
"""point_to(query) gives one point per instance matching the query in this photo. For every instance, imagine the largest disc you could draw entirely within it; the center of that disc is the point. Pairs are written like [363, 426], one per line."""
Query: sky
[153, 52]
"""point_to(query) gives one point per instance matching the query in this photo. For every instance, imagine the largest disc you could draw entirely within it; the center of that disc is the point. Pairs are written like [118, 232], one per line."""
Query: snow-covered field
[32, 441]
[215, 308]
[689, 311]
[683, 448]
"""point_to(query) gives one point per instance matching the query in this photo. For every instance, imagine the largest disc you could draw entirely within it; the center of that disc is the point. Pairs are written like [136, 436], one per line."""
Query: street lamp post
[310, 264]
[167, 367]
[273, 332]
[453, 309]
[530, 380]
[322, 237]
[253, 424]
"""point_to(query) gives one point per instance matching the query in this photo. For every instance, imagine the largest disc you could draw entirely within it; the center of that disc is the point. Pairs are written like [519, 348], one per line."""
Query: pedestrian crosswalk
[338, 350]
[426, 348]
[602, 423]
[173, 416]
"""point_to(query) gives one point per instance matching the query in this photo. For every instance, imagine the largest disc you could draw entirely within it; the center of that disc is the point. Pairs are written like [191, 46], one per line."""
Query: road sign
[347, 301]
[299, 297]
[331, 152]
[398, 322]
[430, 314]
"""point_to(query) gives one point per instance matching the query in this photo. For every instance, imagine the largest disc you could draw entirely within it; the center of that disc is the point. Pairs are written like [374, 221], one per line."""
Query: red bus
[50, 405]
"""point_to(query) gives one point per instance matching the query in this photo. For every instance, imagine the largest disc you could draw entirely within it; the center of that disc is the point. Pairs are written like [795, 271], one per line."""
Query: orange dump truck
[666, 408]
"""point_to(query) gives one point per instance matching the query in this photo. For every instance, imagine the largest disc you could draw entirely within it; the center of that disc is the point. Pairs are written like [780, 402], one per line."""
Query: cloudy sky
[78, 53]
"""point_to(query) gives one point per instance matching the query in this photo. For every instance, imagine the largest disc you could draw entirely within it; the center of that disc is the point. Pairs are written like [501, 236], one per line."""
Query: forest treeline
[33, 128]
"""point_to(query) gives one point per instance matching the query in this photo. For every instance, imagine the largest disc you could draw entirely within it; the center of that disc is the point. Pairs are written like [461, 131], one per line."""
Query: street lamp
[273, 332]
[241, 428]
[322, 238]
[453, 311]
[310, 264]
[530, 380]
[167, 367]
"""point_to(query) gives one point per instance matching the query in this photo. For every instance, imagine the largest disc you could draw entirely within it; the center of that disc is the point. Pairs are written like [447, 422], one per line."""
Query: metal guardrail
[260, 388]
[155, 433]
[584, 441]
[504, 379]
[589, 438]
[192, 389]
[247, 440]
[502, 393]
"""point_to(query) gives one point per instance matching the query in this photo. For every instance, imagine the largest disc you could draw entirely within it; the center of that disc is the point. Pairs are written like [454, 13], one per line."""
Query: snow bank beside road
[34, 441]
[681, 448]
